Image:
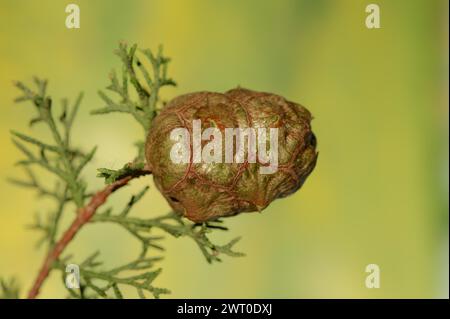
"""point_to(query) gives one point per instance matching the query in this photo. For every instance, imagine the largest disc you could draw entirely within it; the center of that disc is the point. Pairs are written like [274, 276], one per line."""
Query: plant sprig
[96, 282]
[171, 223]
[57, 157]
[69, 191]
[145, 109]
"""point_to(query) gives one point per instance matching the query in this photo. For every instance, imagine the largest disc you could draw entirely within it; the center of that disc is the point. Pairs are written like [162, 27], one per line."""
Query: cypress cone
[206, 191]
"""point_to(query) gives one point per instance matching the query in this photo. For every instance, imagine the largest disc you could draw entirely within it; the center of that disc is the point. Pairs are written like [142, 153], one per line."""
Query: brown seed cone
[201, 191]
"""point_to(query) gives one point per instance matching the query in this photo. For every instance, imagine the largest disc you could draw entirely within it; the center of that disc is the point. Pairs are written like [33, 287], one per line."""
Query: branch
[145, 73]
[84, 215]
[143, 110]
[173, 224]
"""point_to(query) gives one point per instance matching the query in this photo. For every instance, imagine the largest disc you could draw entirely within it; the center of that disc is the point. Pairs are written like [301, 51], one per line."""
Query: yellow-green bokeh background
[379, 97]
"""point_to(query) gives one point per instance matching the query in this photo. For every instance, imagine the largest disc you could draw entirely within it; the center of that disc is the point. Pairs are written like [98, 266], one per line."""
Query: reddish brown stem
[84, 215]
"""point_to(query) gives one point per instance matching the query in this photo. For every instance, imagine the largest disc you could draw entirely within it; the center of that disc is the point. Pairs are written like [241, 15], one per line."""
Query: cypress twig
[66, 164]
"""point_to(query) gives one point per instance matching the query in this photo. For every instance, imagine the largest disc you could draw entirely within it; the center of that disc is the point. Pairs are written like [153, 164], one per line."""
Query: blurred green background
[379, 97]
